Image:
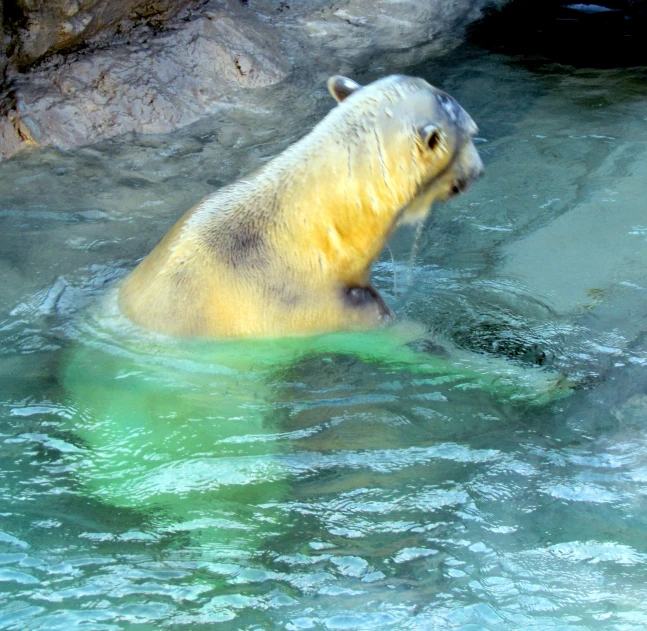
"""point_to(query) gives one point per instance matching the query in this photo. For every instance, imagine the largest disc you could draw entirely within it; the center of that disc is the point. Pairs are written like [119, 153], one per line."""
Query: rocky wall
[157, 65]
[32, 29]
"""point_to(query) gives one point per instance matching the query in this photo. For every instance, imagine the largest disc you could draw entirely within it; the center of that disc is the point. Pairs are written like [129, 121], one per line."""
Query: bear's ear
[340, 87]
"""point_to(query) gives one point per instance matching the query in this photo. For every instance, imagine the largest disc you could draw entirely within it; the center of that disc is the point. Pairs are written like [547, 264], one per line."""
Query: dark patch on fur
[245, 248]
[448, 106]
[361, 297]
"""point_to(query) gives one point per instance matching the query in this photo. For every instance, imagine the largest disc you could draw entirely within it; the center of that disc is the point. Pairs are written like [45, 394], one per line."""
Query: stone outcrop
[179, 61]
[35, 28]
[161, 82]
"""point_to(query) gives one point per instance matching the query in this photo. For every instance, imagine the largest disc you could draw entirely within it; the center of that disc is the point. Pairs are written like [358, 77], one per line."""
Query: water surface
[335, 492]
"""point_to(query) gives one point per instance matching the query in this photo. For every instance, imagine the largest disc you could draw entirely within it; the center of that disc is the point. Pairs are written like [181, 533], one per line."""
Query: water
[338, 485]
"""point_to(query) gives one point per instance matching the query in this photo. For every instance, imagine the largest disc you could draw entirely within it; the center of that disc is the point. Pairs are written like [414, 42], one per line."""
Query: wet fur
[288, 250]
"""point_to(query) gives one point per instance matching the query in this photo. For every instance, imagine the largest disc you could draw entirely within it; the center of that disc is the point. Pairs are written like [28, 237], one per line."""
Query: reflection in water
[321, 485]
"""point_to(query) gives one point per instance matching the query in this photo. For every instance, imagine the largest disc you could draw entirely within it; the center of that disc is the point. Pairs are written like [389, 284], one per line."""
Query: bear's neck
[336, 215]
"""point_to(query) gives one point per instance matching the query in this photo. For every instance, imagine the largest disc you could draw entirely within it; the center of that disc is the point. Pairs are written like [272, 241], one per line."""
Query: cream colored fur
[278, 252]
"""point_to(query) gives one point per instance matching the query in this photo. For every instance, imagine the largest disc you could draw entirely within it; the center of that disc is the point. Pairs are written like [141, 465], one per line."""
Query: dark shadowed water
[334, 492]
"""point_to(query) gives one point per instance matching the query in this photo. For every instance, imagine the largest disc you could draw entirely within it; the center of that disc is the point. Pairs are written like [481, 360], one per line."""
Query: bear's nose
[458, 186]
[461, 184]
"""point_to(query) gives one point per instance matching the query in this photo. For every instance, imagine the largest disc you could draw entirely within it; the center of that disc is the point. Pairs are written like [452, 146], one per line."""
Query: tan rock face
[40, 27]
[164, 82]
[151, 80]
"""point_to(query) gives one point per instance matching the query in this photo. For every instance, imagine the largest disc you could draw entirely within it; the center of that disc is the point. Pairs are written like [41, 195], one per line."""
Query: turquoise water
[179, 486]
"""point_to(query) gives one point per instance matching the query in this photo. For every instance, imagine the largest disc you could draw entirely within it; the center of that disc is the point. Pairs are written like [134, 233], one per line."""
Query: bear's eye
[433, 140]
[431, 136]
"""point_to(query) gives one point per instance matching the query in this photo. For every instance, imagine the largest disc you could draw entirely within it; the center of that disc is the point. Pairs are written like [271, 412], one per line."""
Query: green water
[339, 484]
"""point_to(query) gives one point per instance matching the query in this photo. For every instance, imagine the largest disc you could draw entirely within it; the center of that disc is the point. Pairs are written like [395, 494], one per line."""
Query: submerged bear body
[288, 250]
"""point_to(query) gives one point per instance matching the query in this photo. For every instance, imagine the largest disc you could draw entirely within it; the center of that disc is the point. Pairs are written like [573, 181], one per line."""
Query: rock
[149, 80]
[382, 34]
[35, 28]
[606, 228]
[167, 81]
